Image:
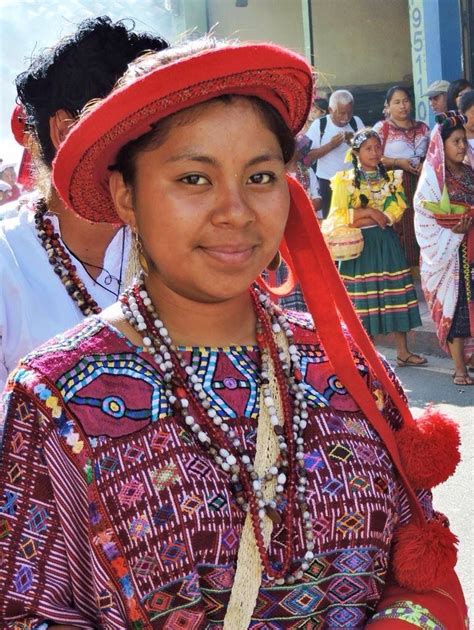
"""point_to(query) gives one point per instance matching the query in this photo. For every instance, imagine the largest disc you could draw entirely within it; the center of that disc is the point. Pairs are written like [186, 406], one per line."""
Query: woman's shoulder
[69, 350]
[422, 127]
[343, 177]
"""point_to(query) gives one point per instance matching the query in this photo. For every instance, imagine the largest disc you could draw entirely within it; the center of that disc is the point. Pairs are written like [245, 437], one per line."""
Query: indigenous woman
[55, 268]
[404, 142]
[455, 92]
[379, 281]
[193, 457]
[466, 107]
[447, 241]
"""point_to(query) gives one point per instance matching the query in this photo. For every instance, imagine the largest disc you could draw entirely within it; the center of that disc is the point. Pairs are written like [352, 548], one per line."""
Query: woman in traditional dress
[447, 249]
[379, 281]
[466, 108]
[455, 92]
[193, 457]
[404, 143]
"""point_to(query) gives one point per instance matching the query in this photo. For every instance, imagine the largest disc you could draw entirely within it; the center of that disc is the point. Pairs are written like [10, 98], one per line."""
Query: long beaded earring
[134, 264]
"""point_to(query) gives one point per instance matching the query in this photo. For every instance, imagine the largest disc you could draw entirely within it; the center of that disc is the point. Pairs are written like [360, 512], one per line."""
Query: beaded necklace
[62, 263]
[184, 390]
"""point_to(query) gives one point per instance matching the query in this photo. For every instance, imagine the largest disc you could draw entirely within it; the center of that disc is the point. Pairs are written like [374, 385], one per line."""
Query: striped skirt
[380, 284]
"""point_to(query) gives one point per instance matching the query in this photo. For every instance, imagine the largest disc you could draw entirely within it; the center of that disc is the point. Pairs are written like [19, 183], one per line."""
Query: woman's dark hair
[81, 67]
[322, 104]
[126, 158]
[396, 88]
[467, 101]
[450, 122]
[453, 91]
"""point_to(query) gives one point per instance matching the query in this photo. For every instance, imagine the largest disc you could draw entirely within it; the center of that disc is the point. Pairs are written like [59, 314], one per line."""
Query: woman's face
[455, 147]
[210, 203]
[399, 107]
[370, 154]
[463, 91]
[469, 126]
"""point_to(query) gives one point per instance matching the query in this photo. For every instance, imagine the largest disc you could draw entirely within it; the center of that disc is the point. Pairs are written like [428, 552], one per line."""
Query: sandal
[462, 379]
[408, 362]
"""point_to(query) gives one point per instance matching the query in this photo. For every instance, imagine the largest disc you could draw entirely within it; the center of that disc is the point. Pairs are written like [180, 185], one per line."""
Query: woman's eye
[262, 178]
[195, 180]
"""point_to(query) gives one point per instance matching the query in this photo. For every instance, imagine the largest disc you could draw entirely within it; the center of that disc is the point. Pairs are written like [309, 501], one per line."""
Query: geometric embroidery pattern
[350, 523]
[164, 477]
[302, 600]
[139, 527]
[23, 579]
[150, 501]
[130, 493]
[173, 552]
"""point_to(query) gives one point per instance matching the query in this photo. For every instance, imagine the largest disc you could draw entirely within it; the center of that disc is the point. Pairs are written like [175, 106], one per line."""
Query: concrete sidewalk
[423, 339]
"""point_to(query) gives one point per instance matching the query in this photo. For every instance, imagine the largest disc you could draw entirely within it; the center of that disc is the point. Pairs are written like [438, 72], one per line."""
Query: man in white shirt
[330, 136]
[56, 268]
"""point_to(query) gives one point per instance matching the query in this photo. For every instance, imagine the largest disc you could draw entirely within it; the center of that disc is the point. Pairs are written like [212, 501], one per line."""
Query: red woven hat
[81, 167]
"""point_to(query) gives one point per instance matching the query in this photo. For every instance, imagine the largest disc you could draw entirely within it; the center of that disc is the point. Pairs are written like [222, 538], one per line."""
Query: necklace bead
[186, 391]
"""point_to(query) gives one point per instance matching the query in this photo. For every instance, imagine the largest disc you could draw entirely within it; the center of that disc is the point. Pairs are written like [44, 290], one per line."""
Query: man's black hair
[81, 67]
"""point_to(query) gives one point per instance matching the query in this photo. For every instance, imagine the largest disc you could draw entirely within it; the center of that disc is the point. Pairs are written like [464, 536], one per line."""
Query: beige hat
[436, 88]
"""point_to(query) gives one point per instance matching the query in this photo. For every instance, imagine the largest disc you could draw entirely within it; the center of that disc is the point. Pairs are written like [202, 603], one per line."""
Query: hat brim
[81, 168]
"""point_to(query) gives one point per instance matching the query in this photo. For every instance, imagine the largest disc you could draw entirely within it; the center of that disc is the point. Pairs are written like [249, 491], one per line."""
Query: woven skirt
[380, 284]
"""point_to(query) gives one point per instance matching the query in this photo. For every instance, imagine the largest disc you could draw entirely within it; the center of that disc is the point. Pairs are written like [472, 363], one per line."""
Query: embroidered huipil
[112, 516]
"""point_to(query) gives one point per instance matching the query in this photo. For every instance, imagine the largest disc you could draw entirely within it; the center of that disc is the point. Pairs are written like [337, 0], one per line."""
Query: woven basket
[345, 243]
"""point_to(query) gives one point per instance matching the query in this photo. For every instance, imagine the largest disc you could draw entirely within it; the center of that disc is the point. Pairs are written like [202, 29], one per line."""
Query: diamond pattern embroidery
[340, 452]
[28, 548]
[159, 602]
[159, 440]
[199, 467]
[313, 461]
[23, 579]
[163, 514]
[347, 589]
[216, 502]
[164, 477]
[191, 504]
[130, 493]
[37, 519]
[350, 523]
[144, 566]
[332, 487]
[358, 484]
[139, 527]
[353, 561]
[184, 620]
[230, 539]
[173, 552]
[303, 600]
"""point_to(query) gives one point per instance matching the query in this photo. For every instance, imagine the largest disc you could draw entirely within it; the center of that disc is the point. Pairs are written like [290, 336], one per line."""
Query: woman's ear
[122, 196]
[59, 126]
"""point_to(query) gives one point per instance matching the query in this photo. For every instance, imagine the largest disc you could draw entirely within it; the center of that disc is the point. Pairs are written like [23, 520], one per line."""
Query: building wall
[279, 21]
[362, 42]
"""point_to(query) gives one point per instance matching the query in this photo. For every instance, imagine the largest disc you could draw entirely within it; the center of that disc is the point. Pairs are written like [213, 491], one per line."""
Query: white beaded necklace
[221, 441]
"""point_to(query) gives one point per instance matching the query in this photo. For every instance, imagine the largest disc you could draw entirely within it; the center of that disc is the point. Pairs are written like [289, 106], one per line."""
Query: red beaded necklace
[62, 263]
[221, 442]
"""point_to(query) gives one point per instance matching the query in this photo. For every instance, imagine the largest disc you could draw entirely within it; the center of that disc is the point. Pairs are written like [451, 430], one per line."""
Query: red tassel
[423, 554]
[429, 449]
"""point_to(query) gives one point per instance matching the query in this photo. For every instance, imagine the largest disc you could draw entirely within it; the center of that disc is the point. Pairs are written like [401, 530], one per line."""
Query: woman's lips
[230, 255]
